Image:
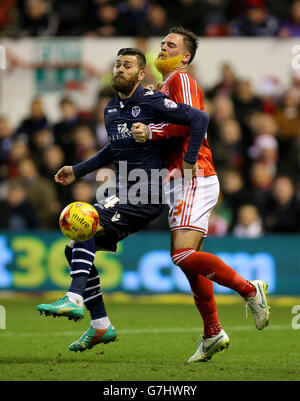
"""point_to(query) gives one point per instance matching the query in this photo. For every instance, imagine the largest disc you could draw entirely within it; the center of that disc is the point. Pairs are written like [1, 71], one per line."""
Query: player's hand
[190, 166]
[65, 175]
[140, 132]
[158, 86]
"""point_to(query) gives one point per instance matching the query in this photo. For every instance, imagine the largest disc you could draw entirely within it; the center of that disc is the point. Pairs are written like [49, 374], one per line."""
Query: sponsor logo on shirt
[169, 104]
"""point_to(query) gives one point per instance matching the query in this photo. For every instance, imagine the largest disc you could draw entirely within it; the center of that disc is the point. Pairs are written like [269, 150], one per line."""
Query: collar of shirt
[133, 99]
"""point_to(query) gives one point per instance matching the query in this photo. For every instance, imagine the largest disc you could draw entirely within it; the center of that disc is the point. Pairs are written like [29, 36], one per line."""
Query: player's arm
[167, 131]
[68, 174]
[179, 113]
[181, 93]
[142, 132]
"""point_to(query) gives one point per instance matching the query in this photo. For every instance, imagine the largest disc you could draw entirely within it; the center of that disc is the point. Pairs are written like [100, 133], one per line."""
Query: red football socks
[203, 293]
[213, 268]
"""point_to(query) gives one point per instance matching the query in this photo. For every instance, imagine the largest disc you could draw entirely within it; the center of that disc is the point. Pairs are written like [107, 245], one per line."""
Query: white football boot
[259, 305]
[209, 346]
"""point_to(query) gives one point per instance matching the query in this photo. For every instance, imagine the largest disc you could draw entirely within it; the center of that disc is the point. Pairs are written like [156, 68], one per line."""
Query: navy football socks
[87, 282]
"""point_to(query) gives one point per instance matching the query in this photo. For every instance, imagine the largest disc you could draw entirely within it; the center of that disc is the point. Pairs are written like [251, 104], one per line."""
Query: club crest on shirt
[135, 111]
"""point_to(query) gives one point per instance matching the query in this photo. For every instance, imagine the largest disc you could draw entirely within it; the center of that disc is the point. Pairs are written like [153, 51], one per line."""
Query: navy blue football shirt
[147, 107]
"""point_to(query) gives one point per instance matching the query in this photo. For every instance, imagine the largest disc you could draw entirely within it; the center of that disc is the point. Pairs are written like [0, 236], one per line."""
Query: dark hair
[66, 100]
[190, 40]
[131, 51]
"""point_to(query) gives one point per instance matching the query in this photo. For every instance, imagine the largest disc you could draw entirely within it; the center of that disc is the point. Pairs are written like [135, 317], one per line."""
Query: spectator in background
[157, 22]
[85, 142]
[249, 223]
[265, 146]
[99, 125]
[255, 22]
[222, 109]
[7, 16]
[261, 180]
[226, 84]
[37, 120]
[269, 92]
[218, 224]
[188, 13]
[288, 116]
[279, 8]
[85, 147]
[38, 19]
[19, 151]
[288, 120]
[41, 193]
[82, 191]
[295, 81]
[6, 139]
[215, 21]
[283, 209]
[245, 101]
[64, 129]
[233, 190]
[134, 13]
[17, 212]
[291, 28]
[53, 160]
[229, 151]
[42, 140]
[72, 17]
[107, 21]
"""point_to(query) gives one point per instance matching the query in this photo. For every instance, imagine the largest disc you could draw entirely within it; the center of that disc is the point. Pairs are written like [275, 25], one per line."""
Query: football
[79, 221]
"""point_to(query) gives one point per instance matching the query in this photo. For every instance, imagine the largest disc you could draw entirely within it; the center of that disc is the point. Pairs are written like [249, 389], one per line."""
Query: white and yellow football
[79, 221]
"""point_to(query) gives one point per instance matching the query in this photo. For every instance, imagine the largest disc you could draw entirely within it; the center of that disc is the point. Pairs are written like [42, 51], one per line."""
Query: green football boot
[62, 307]
[93, 337]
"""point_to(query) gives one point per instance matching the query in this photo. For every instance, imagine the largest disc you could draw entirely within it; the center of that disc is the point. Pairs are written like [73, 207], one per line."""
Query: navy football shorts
[121, 220]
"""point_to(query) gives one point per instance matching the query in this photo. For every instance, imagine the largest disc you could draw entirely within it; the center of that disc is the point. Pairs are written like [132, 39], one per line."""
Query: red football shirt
[182, 88]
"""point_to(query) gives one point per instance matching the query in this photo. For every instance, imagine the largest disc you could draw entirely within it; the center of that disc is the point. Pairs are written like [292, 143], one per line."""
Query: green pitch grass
[154, 341]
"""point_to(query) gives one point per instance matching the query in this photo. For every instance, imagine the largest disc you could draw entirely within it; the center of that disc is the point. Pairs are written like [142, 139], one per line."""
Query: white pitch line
[144, 331]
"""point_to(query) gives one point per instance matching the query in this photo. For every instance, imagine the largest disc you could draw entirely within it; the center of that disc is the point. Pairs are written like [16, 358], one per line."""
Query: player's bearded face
[123, 84]
[166, 64]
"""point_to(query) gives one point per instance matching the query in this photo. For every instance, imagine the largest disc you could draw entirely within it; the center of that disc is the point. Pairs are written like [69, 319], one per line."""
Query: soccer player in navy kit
[132, 105]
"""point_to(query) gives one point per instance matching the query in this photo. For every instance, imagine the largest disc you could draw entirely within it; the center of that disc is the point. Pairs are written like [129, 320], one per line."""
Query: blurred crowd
[255, 140]
[22, 18]
[255, 137]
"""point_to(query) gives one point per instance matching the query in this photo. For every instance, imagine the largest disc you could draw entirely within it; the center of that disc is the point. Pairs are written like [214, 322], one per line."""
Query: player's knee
[180, 256]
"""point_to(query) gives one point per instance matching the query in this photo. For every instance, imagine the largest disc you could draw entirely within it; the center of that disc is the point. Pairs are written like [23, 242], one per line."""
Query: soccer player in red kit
[192, 204]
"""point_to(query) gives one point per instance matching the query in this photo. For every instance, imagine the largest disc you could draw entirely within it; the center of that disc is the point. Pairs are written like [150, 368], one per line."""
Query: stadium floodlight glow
[2, 58]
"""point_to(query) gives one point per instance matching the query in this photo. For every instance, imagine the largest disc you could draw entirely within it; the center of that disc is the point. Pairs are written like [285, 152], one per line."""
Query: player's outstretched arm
[142, 132]
[65, 175]
[100, 159]
[181, 114]
[68, 174]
